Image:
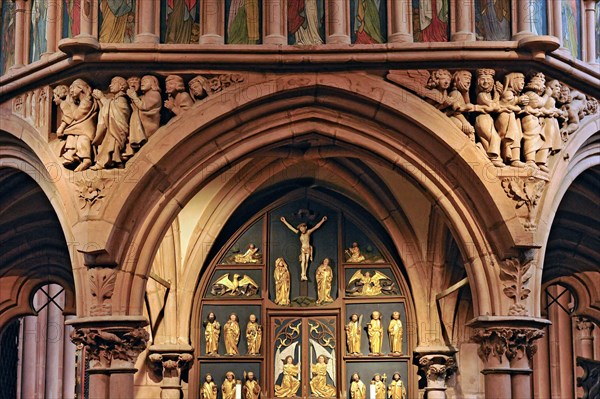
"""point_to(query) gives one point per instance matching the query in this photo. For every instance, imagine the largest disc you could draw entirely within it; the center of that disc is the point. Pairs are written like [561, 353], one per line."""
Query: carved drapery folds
[513, 343]
[107, 344]
[100, 130]
[518, 122]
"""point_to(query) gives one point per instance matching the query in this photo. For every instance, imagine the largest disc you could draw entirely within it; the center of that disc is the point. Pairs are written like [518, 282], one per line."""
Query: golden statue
[369, 284]
[397, 390]
[379, 382]
[290, 382]
[231, 331]
[306, 250]
[353, 254]
[395, 332]
[228, 386]
[209, 388]
[250, 256]
[251, 389]
[253, 335]
[324, 277]
[353, 334]
[212, 330]
[358, 390]
[282, 282]
[318, 383]
[375, 330]
[236, 287]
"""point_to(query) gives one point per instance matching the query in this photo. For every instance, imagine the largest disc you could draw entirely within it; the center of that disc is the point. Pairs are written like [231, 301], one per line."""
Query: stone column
[69, 362]
[212, 22]
[20, 27]
[525, 12]
[589, 29]
[337, 22]
[438, 368]
[52, 22]
[85, 41]
[585, 338]
[401, 30]
[464, 16]
[29, 337]
[148, 21]
[54, 345]
[556, 21]
[506, 346]
[169, 361]
[274, 21]
[112, 344]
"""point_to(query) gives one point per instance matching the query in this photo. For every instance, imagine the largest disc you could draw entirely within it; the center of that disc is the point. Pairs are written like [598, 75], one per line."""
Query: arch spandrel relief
[304, 325]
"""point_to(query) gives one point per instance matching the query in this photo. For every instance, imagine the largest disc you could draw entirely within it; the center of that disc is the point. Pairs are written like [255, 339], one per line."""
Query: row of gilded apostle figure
[250, 389]
[375, 331]
[231, 335]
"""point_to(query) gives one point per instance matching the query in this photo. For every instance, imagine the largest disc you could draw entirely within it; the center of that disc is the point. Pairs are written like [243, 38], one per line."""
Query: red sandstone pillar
[464, 20]
[590, 31]
[274, 22]
[401, 27]
[20, 28]
[148, 21]
[556, 21]
[52, 23]
[212, 24]
[337, 22]
[525, 12]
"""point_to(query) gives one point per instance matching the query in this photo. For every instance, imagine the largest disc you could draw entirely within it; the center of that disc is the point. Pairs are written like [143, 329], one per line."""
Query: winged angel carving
[370, 284]
[236, 287]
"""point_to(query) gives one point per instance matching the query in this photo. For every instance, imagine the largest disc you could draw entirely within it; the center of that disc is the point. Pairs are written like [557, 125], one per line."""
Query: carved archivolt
[101, 130]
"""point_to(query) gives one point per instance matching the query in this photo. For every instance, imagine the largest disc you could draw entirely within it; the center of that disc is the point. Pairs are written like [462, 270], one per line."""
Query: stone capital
[170, 360]
[438, 368]
[584, 326]
[110, 343]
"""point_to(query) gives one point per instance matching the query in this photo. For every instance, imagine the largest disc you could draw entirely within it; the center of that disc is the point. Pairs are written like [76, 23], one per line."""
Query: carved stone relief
[102, 285]
[34, 107]
[514, 343]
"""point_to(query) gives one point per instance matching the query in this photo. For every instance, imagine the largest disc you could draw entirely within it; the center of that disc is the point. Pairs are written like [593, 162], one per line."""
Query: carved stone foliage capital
[526, 192]
[105, 345]
[102, 286]
[437, 368]
[170, 365]
[515, 275]
[514, 343]
[584, 325]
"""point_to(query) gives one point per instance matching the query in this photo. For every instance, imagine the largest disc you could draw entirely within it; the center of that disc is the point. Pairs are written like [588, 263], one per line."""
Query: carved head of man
[395, 315]
[375, 315]
[134, 83]
[537, 83]
[515, 82]
[462, 81]
[117, 84]
[198, 86]
[59, 93]
[355, 377]
[174, 84]
[565, 94]
[440, 79]
[79, 88]
[556, 88]
[148, 83]
[485, 80]
[303, 227]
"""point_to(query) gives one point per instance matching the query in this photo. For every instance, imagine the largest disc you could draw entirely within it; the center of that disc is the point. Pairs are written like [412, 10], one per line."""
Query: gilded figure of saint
[228, 386]
[353, 334]
[231, 331]
[358, 390]
[290, 382]
[318, 383]
[282, 282]
[375, 330]
[253, 335]
[250, 256]
[306, 250]
[209, 388]
[395, 331]
[212, 330]
[354, 255]
[397, 390]
[324, 277]
[379, 382]
[251, 389]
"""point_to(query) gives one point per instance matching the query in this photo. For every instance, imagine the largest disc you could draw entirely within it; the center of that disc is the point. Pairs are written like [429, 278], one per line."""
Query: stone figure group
[103, 130]
[250, 389]
[375, 331]
[231, 335]
[516, 121]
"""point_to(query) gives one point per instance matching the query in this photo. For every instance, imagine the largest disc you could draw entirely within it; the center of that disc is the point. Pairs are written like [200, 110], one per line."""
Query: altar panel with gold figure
[304, 299]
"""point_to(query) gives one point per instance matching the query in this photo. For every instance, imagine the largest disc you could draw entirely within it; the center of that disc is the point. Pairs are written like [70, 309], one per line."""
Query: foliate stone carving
[514, 343]
[104, 345]
[590, 381]
[525, 191]
[102, 285]
[91, 192]
[171, 364]
[515, 275]
[510, 117]
[584, 326]
[437, 368]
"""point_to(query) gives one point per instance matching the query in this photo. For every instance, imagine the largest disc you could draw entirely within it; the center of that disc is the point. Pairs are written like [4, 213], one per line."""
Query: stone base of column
[147, 38]
[275, 39]
[212, 39]
[463, 37]
[400, 38]
[79, 44]
[338, 39]
[520, 35]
